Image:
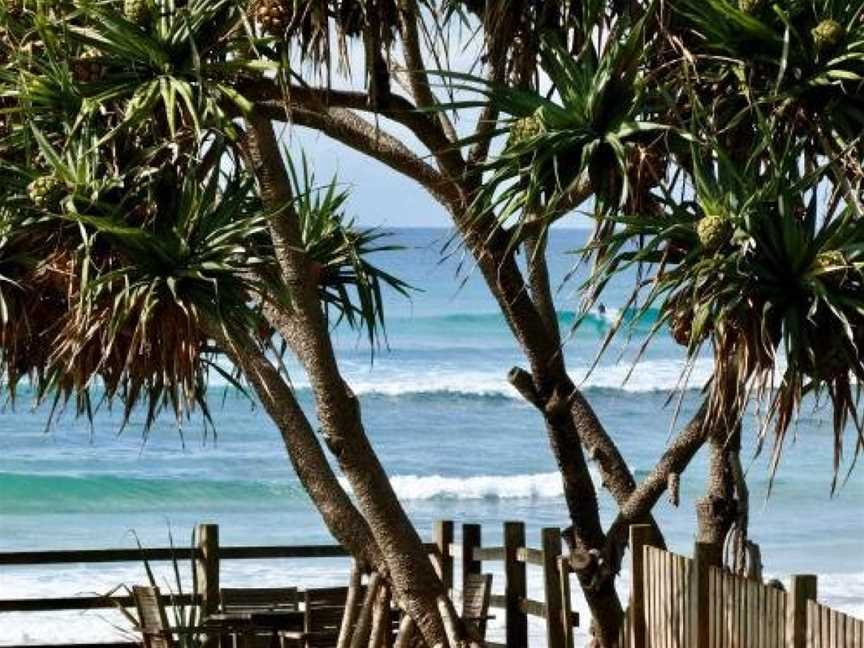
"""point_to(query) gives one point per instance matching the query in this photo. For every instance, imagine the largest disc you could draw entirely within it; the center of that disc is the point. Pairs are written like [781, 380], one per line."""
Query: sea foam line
[476, 487]
[647, 376]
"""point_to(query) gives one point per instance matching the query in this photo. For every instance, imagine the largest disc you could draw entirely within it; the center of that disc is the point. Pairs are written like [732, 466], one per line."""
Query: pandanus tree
[151, 223]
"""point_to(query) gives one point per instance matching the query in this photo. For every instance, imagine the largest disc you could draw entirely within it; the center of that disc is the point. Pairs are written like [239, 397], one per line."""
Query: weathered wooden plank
[471, 538]
[207, 566]
[825, 613]
[715, 577]
[653, 584]
[661, 601]
[779, 622]
[530, 555]
[785, 637]
[761, 596]
[691, 607]
[488, 553]
[740, 613]
[566, 618]
[498, 601]
[838, 621]
[701, 555]
[157, 554]
[443, 532]
[664, 599]
[515, 585]
[802, 588]
[258, 553]
[640, 536]
[73, 556]
[755, 591]
[770, 621]
[532, 607]
[551, 544]
[676, 601]
[58, 603]
[106, 644]
[682, 601]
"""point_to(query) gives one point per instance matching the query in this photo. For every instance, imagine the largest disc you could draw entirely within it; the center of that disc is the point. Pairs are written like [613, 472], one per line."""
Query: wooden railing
[679, 602]
[444, 552]
[555, 609]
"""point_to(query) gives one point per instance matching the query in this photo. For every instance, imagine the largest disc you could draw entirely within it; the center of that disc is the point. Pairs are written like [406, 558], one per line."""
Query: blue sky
[379, 195]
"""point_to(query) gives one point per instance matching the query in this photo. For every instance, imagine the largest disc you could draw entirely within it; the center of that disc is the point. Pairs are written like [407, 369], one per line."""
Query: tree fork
[304, 328]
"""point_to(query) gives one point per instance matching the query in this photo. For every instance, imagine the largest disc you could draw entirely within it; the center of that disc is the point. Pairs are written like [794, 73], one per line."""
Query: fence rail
[469, 553]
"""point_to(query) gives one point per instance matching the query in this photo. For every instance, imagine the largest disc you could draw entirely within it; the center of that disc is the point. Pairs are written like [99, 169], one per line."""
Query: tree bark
[341, 517]
[674, 461]
[716, 511]
[304, 328]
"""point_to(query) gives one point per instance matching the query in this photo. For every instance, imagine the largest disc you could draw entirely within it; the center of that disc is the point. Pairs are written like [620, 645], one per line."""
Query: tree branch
[675, 460]
[394, 107]
[350, 129]
[409, 14]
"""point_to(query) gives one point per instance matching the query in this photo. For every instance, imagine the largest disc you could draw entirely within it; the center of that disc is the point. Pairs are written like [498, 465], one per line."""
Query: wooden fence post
[640, 537]
[551, 547]
[444, 538]
[207, 567]
[471, 538]
[566, 612]
[515, 586]
[802, 588]
[703, 557]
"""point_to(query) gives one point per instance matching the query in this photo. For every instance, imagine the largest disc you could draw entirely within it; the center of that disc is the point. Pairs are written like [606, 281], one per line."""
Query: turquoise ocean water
[456, 440]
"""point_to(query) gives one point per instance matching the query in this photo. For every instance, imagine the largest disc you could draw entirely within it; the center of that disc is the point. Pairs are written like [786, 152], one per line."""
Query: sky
[379, 195]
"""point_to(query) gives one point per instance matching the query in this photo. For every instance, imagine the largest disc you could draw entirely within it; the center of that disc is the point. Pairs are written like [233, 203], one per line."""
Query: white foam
[540, 485]
[648, 376]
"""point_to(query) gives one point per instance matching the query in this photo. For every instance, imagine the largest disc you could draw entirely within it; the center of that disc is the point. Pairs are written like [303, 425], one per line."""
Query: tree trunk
[570, 422]
[674, 461]
[341, 517]
[304, 327]
[717, 510]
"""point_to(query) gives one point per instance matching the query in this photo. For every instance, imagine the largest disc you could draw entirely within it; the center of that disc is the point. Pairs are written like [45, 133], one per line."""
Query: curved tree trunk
[415, 584]
[571, 423]
[341, 517]
[717, 510]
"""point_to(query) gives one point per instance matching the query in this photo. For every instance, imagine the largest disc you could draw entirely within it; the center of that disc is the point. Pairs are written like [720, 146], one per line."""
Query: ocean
[458, 442]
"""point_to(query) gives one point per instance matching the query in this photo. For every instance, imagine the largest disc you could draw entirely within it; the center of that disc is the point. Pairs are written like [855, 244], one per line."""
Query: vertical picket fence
[679, 602]
[745, 612]
[827, 628]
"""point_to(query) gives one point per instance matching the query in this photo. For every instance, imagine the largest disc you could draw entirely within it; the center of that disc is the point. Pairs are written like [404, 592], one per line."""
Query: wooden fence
[555, 609]
[679, 602]
[445, 552]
